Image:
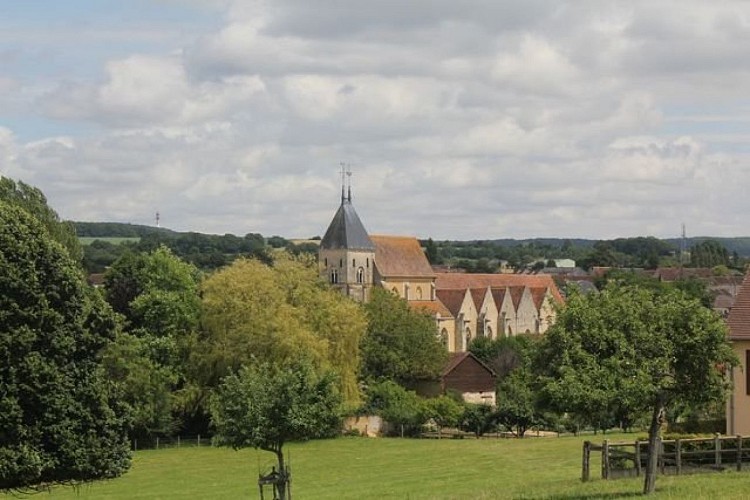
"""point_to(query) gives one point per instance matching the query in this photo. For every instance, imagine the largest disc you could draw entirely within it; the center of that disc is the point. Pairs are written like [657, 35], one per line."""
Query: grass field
[361, 468]
[87, 240]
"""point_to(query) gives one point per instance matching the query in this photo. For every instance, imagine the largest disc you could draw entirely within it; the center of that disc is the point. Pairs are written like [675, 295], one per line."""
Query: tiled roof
[538, 294]
[400, 256]
[456, 358]
[431, 306]
[676, 273]
[516, 294]
[457, 281]
[739, 315]
[477, 295]
[452, 299]
[346, 231]
[499, 295]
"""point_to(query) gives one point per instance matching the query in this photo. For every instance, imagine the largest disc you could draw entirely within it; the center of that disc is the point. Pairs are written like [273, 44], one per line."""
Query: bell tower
[346, 258]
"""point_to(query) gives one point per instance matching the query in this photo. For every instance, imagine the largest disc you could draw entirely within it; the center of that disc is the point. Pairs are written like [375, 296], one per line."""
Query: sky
[480, 119]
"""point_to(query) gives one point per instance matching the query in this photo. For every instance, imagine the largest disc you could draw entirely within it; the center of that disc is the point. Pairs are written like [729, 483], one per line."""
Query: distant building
[464, 306]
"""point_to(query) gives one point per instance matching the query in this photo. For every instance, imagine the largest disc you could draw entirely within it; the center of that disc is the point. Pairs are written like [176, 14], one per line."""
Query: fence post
[178, 440]
[135, 445]
[739, 453]
[637, 457]
[157, 442]
[717, 450]
[660, 454]
[199, 439]
[605, 459]
[678, 455]
[586, 461]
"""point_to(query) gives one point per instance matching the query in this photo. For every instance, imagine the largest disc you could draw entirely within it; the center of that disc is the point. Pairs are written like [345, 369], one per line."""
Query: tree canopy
[252, 312]
[400, 344]
[629, 351]
[60, 420]
[265, 406]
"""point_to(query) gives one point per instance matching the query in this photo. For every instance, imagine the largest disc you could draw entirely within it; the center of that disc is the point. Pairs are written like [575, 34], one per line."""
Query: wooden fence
[675, 456]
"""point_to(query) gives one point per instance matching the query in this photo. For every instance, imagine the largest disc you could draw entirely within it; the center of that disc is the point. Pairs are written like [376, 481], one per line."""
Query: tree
[265, 406]
[479, 419]
[400, 344]
[634, 351]
[708, 253]
[60, 419]
[33, 201]
[432, 252]
[277, 313]
[445, 411]
[396, 405]
[157, 293]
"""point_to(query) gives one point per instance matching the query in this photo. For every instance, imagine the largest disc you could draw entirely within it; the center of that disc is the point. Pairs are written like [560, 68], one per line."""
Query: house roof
[516, 294]
[477, 295]
[452, 299]
[431, 306]
[456, 358]
[457, 281]
[739, 314]
[400, 256]
[499, 295]
[538, 294]
[346, 231]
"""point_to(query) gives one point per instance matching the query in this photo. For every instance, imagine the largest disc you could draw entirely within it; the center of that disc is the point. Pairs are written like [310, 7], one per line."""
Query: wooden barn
[467, 375]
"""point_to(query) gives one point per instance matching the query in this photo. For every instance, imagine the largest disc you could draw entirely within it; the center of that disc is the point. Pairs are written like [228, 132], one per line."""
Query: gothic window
[325, 262]
[361, 275]
[468, 336]
[368, 263]
[334, 276]
[354, 262]
[419, 293]
[488, 332]
[395, 290]
[444, 337]
[341, 262]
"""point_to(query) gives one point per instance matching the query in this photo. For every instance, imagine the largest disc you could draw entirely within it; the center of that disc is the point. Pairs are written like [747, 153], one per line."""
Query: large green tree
[157, 293]
[33, 201]
[634, 351]
[266, 406]
[60, 420]
[400, 344]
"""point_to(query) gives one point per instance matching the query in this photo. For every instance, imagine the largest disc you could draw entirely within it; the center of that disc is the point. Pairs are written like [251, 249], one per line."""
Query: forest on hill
[210, 251]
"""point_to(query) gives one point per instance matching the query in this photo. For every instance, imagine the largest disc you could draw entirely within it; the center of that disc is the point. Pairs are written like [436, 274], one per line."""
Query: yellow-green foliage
[278, 314]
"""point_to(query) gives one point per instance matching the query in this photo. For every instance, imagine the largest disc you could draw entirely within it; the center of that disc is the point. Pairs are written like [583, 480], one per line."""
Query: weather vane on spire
[346, 175]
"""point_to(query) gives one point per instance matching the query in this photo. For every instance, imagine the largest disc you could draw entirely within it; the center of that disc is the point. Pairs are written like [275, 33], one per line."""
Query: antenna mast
[157, 219]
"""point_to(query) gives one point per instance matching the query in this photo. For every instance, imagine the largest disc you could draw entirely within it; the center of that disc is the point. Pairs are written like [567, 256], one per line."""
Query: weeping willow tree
[252, 312]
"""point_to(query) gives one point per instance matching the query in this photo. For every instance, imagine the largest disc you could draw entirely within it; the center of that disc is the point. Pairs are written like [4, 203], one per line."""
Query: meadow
[362, 468]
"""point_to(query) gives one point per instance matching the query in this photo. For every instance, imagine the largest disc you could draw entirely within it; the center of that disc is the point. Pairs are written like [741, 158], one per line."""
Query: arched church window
[334, 276]
[325, 262]
[468, 336]
[354, 262]
[395, 290]
[368, 263]
[361, 275]
[444, 337]
[488, 331]
[341, 262]
[419, 293]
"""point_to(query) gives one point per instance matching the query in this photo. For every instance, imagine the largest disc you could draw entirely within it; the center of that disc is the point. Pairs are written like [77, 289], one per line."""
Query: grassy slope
[360, 468]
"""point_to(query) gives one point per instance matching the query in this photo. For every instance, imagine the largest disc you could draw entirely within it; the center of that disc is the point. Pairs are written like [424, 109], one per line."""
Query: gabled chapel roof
[400, 256]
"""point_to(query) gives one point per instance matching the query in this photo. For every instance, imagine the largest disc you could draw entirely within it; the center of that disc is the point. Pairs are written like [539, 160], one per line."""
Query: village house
[464, 306]
[738, 406]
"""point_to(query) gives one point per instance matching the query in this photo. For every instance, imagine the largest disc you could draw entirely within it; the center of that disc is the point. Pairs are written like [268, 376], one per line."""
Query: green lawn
[361, 468]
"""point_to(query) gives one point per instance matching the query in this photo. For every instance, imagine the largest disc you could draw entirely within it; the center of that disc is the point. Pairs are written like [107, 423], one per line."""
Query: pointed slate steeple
[346, 231]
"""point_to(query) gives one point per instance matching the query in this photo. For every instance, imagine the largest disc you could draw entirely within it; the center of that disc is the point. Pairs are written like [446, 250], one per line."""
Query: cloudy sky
[478, 119]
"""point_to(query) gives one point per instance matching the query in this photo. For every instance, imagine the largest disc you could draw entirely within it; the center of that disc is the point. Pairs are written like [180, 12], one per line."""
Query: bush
[397, 406]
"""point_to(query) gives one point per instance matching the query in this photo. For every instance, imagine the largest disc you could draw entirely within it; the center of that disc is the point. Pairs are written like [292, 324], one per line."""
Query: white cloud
[480, 120]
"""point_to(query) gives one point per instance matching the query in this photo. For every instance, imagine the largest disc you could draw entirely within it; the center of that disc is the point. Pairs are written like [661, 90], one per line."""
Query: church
[464, 306]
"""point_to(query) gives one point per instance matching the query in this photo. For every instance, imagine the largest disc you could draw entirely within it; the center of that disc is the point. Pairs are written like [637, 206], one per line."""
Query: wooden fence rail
[674, 456]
